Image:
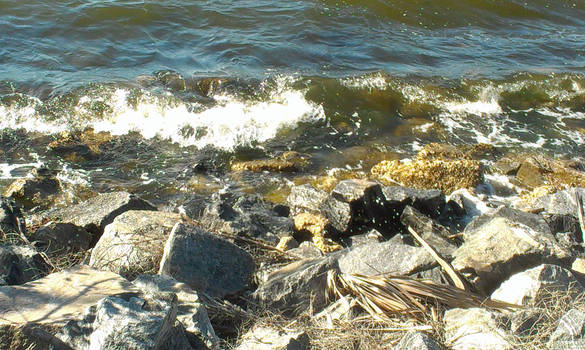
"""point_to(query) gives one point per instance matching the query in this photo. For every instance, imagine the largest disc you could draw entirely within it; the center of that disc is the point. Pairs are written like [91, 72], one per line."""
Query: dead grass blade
[385, 295]
[457, 281]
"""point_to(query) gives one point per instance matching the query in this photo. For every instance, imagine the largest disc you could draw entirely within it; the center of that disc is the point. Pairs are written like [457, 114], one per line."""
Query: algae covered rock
[41, 190]
[446, 175]
[287, 162]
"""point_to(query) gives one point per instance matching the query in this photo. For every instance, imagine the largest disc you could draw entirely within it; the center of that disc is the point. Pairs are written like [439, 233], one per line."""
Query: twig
[444, 264]
[579, 202]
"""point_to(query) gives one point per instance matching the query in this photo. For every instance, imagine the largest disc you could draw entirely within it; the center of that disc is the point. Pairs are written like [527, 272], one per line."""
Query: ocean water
[178, 86]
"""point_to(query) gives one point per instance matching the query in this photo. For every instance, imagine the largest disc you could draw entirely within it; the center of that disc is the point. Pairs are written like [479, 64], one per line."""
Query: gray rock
[523, 322]
[59, 238]
[305, 198]
[237, 213]
[266, 338]
[429, 202]
[133, 243]
[418, 341]
[97, 212]
[307, 250]
[191, 313]
[20, 264]
[570, 332]
[393, 257]
[353, 205]
[431, 231]
[297, 287]
[502, 243]
[11, 217]
[372, 236]
[205, 262]
[531, 286]
[117, 323]
[560, 203]
[477, 329]
[344, 309]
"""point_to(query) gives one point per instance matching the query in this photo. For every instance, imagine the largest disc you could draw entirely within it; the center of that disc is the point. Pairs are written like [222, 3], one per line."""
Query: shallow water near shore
[175, 91]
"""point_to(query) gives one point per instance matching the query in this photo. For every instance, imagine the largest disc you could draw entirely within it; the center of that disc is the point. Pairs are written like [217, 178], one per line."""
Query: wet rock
[190, 310]
[129, 323]
[20, 264]
[287, 162]
[431, 231]
[133, 243]
[60, 239]
[532, 286]
[79, 146]
[450, 152]
[419, 341]
[477, 329]
[59, 297]
[266, 338]
[97, 212]
[393, 257]
[305, 198]
[539, 170]
[502, 243]
[297, 287]
[206, 262]
[11, 217]
[507, 166]
[446, 175]
[236, 213]
[570, 332]
[429, 202]
[41, 190]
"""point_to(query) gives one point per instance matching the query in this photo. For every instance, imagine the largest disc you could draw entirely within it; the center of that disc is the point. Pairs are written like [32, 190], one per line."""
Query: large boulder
[477, 329]
[20, 264]
[97, 212]
[206, 262]
[502, 243]
[61, 238]
[190, 310]
[236, 213]
[392, 257]
[60, 297]
[531, 286]
[297, 287]
[133, 243]
[139, 323]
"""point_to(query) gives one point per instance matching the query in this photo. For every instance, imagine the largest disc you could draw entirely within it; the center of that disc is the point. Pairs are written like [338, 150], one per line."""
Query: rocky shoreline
[234, 270]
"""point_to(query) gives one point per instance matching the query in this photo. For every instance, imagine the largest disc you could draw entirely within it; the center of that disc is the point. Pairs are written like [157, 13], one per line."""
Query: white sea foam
[230, 123]
[477, 107]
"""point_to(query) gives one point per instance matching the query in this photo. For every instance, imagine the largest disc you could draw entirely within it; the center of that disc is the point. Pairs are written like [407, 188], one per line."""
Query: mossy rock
[287, 162]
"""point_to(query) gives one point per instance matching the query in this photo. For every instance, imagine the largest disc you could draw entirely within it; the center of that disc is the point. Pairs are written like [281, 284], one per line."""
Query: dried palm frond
[384, 295]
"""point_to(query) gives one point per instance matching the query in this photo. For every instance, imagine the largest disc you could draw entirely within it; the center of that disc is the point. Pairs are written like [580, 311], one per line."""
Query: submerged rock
[287, 162]
[41, 190]
[79, 146]
[446, 175]
[205, 262]
[502, 243]
[133, 243]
